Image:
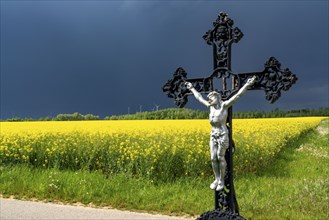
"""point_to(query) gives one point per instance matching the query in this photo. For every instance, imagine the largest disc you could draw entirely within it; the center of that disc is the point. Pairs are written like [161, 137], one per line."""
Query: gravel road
[15, 209]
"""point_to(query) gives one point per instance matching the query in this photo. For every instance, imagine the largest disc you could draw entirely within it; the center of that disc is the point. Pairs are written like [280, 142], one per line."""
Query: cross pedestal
[272, 79]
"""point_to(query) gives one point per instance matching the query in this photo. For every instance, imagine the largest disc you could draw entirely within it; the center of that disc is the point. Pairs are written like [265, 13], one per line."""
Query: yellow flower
[144, 146]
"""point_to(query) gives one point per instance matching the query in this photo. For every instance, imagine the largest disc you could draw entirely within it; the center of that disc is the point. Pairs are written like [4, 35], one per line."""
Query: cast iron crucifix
[272, 79]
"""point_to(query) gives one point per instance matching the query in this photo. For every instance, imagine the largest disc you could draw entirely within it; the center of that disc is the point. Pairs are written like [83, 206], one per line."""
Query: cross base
[220, 215]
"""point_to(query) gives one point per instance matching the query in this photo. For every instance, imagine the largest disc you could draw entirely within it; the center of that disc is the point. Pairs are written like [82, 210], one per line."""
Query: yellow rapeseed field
[164, 149]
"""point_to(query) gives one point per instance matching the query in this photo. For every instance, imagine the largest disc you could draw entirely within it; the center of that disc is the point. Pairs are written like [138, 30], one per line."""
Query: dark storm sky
[103, 57]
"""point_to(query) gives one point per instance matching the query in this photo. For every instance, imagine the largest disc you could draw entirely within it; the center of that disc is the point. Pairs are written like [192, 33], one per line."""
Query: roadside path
[12, 209]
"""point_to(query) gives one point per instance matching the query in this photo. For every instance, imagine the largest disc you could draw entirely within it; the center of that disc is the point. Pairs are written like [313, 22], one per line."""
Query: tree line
[283, 114]
[60, 117]
[176, 113]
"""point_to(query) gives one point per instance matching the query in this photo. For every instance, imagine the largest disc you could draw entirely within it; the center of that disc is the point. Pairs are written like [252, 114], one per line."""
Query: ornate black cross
[273, 80]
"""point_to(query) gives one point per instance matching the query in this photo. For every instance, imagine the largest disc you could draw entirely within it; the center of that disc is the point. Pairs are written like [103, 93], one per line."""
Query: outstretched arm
[241, 91]
[196, 94]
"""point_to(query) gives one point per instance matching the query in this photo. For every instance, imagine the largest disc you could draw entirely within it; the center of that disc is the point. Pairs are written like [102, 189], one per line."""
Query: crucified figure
[219, 139]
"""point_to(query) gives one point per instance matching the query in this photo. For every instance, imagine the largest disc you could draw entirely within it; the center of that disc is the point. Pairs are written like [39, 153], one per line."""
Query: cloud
[103, 56]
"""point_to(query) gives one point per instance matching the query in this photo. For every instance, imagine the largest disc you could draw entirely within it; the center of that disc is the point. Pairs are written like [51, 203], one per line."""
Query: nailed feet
[217, 185]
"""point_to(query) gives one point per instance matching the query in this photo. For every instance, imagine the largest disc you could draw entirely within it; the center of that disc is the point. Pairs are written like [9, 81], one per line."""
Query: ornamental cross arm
[273, 80]
[175, 88]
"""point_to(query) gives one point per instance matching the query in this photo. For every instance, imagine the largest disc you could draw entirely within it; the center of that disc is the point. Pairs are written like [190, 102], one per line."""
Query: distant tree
[75, 117]
[48, 118]
[91, 117]
[15, 119]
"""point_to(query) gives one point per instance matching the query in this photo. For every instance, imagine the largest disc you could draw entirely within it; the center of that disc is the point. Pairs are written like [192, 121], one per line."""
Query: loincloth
[220, 139]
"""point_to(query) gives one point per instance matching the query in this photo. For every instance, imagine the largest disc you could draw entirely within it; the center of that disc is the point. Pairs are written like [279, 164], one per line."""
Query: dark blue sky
[103, 57]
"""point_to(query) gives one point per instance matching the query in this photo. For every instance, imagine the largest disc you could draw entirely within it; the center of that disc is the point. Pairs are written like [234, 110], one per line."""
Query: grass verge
[295, 186]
